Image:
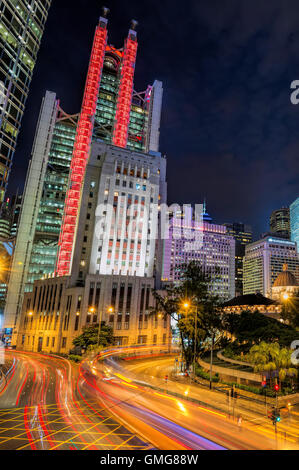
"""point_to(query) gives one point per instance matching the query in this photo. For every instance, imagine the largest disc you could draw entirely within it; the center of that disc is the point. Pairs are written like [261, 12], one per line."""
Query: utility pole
[211, 362]
[233, 392]
[99, 329]
[110, 310]
[195, 341]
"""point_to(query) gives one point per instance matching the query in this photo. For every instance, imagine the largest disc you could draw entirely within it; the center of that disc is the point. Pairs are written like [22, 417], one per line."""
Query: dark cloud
[228, 128]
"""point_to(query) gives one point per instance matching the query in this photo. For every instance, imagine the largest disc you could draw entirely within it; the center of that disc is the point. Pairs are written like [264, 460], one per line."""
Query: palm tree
[270, 358]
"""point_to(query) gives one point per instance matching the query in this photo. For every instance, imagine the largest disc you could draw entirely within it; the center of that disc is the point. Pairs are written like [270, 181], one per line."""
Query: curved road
[44, 405]
[47, 403]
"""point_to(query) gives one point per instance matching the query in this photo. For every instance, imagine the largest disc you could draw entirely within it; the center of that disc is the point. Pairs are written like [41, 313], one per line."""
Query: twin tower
[121, 124]
[120, 63]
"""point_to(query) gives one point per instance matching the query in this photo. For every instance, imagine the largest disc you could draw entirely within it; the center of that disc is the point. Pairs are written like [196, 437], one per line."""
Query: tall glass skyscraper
[54, 152]
[51, 204]
[243, 236]
[280, 222]
[22, 25]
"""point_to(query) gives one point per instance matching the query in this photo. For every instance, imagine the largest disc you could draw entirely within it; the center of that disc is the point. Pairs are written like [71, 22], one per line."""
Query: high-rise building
[5, 221]
[280, 223]
[59, 160]
[204, 242]
[264, 260]
[243, 236]
[294, 216]
[113, 262]
[17, 205]
[9, 219]
[22, 25]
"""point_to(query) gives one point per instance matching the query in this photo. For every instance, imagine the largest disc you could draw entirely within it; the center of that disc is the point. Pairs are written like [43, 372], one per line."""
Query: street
[50, 403]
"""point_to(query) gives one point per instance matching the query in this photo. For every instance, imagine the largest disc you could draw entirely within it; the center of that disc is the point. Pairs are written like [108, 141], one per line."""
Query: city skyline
[138, 312]
[231, 156]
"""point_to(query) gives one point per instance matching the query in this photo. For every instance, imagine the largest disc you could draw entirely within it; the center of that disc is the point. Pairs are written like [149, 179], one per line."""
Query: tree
[195, 309]
[290, 311]
[272, 358]
[89, 337]
[254, 327]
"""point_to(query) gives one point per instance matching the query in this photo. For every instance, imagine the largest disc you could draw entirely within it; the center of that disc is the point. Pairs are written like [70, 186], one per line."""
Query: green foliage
[205, 375]
[250, 388]
[89, 336]
[254, 327]
[201, 320]
[64, 355]
[271, 357]
[235, 350]
[75, 358]
[290, 311]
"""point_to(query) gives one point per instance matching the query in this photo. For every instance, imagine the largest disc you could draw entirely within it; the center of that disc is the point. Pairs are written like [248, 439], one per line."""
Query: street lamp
[110, 310]
[186, 306]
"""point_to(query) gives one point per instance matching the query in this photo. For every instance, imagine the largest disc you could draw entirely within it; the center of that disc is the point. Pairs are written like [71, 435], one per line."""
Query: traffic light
[274, 415]
[276, 387]
[277, 415]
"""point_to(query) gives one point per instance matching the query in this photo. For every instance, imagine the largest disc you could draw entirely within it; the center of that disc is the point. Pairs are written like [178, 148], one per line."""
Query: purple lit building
[202, 241]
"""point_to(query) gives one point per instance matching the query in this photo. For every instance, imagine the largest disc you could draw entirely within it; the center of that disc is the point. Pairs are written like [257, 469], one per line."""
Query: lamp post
[285, 300]
[30, 315]
[195, 344]
[186, 306]
[110, 310]
[211, 361]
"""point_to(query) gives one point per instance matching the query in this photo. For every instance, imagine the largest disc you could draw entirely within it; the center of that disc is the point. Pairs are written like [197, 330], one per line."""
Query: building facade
[243, 236]
[21, 29]
[10, 215]
[55, 313]
[264, 260]
[49, 171]
[280, 223]
[294, 216]
[204, 242]
[116, 179]
[111, 278]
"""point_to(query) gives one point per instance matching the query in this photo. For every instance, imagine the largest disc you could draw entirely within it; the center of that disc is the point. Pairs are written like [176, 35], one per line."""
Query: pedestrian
[240, 422]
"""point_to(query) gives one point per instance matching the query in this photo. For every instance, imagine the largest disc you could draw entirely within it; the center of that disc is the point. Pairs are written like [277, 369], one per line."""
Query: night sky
[229, 130]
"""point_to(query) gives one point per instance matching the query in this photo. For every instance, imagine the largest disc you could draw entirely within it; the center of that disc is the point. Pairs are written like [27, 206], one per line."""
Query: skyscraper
[294, 215]
[21, 29]
[204, 242]
[264, 260]
[119, 115]
[113, 262]
[280, 222]
[61, 144]
[242, 235]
